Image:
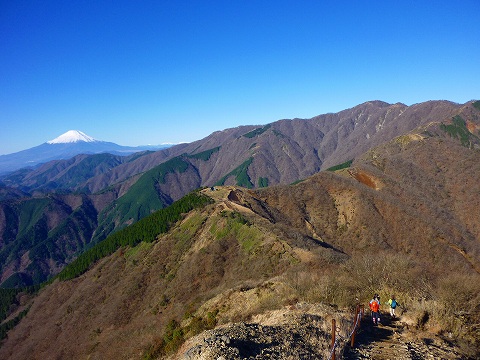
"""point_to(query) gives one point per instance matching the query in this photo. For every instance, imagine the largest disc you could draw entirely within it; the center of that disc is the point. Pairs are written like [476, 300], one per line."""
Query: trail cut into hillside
[394, 339]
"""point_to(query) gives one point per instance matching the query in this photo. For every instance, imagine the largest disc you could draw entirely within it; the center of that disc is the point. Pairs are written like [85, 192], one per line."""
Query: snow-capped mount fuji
[72, 136]
[65, 146]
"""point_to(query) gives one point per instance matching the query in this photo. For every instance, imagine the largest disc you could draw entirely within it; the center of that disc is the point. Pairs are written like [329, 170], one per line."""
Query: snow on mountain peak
[71, 136]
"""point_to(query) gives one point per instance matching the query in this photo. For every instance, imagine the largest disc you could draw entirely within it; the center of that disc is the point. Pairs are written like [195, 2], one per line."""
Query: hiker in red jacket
[375, 307]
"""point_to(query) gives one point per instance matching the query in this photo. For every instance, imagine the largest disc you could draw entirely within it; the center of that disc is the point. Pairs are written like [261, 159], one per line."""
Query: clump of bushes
[175, 334]
[458, 309]
[360, 277]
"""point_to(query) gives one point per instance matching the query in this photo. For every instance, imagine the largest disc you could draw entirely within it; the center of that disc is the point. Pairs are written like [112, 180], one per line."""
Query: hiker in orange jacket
[375, 308]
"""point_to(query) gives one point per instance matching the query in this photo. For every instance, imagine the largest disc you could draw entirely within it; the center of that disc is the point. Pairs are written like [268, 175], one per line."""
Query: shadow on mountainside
[373, 333]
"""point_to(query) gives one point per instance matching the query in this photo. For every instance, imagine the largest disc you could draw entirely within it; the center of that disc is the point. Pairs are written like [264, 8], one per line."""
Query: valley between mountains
[276, 231]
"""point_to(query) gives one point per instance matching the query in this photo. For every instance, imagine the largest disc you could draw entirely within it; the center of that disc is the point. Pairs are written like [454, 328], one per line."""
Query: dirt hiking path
[393, 340]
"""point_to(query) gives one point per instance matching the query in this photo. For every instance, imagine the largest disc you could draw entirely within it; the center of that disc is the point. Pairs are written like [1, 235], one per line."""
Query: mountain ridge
[282, 152]
[325, 155]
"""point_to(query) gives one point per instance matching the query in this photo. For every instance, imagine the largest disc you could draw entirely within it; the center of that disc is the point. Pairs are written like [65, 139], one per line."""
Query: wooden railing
[336, 338]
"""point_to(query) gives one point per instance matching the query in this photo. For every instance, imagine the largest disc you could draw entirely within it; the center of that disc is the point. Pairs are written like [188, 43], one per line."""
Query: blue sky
[151, 72]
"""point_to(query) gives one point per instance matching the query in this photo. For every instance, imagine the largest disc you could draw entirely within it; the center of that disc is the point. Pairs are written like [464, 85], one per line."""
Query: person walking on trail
[393, 305]
[375, 308]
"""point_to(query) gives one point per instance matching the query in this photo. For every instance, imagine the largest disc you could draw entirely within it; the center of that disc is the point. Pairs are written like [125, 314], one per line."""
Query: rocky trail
[305, 333]
[392, 339]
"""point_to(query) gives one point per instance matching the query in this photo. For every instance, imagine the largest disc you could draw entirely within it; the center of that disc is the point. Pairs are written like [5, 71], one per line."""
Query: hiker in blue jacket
[393, 305]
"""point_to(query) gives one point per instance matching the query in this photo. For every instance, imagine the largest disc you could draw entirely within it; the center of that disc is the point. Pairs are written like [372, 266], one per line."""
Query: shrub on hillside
[362, 276]
[458, 308]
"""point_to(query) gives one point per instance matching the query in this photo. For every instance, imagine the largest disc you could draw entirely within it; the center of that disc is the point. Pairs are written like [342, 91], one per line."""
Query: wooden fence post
[355, 319]
[333, 338]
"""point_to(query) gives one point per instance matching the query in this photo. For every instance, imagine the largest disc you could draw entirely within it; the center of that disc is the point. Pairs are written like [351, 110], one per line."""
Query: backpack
[374, 306]
[393, 305]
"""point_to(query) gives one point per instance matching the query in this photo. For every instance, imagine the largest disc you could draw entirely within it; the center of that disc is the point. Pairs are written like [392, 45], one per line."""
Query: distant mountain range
[51, 213]
[65, 146]
[301, 214]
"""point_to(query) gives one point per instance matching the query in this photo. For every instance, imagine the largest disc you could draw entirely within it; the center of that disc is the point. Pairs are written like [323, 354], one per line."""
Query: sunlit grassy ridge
[146, 229]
